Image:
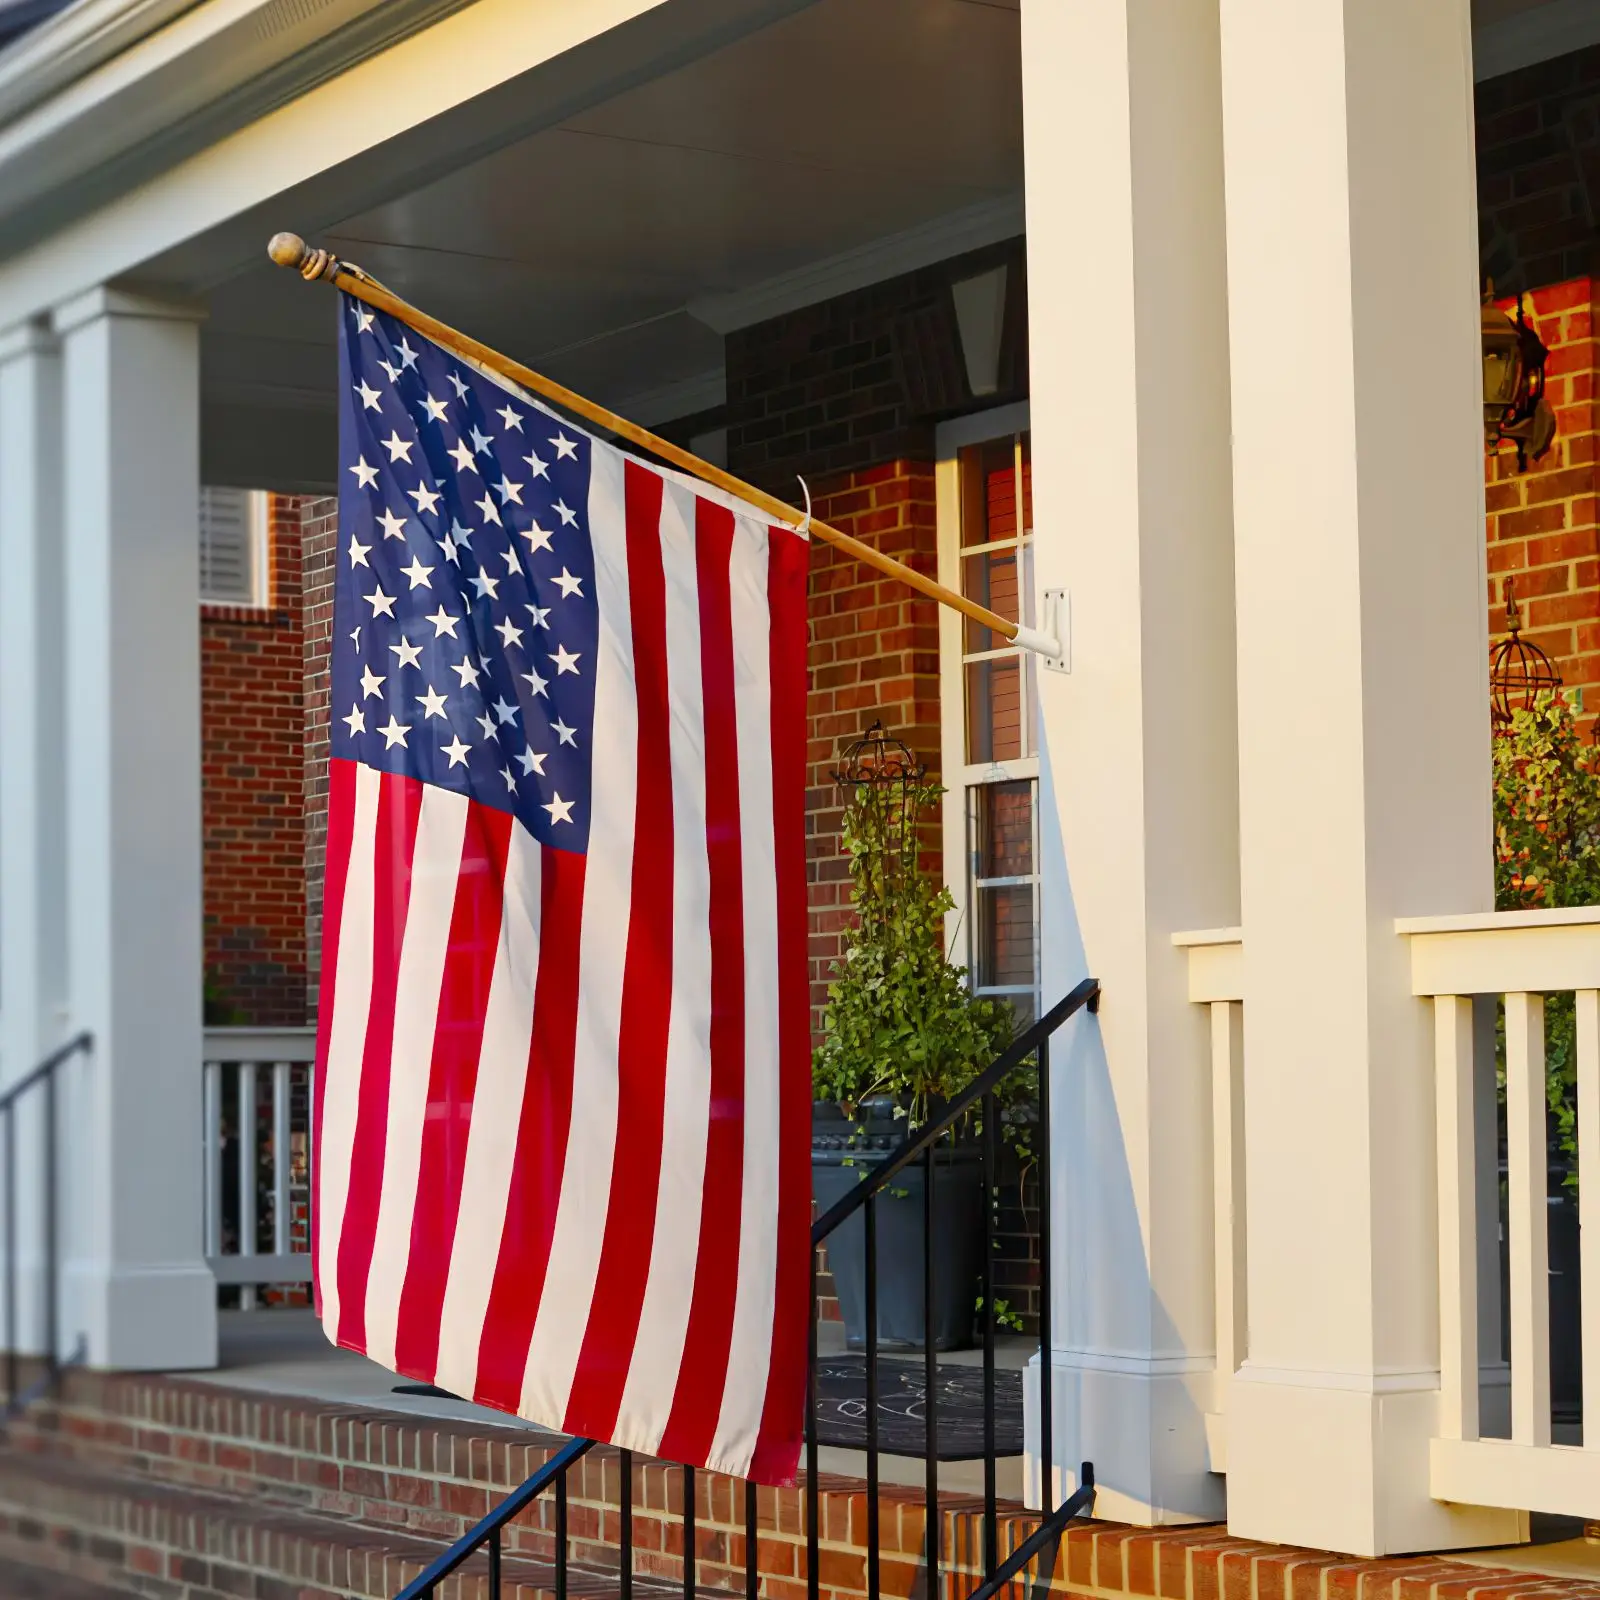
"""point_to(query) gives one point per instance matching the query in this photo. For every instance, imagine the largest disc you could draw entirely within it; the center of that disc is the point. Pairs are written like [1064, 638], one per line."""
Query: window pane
[1005, 829]
[991, 578]
[1004, 955]
[989, 491]
[996, 719]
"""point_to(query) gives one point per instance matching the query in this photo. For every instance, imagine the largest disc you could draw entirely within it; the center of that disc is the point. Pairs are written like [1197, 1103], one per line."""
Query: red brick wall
[874, 654]
[319, 520]
[1544, 524]
[252, 667]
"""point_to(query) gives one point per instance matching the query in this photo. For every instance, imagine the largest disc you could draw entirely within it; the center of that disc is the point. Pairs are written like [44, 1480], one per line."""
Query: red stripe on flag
[452, 1081]
[535, 1191]
[341, 824]
[777, 1451]
[624, 1268]
[697, 1400]
[399, 803]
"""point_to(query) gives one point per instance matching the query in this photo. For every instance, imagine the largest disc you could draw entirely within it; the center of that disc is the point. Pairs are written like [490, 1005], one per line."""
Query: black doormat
[903, 1411]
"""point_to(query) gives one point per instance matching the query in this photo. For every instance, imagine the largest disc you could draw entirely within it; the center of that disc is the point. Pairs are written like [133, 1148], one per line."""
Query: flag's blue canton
[465, 621]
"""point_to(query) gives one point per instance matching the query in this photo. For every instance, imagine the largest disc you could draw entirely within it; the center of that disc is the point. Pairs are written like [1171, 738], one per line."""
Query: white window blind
[233, 547]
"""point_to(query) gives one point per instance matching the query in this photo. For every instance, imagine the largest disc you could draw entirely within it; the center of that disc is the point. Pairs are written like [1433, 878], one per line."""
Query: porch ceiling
[579, 248]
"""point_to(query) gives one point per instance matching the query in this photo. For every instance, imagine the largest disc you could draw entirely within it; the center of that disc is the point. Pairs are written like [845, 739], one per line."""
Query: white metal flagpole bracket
[1053, 642]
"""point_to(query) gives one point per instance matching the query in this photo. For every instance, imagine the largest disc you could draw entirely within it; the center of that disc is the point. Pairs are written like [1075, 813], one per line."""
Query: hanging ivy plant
[900, 1022]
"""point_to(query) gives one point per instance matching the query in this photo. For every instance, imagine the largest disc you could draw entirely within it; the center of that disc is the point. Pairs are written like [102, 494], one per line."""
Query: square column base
[141, 1319]
[1338, 1467]
[1143, 1426]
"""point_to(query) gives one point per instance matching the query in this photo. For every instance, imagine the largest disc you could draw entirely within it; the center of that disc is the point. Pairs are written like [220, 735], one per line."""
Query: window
[987, 687]
[233, 547]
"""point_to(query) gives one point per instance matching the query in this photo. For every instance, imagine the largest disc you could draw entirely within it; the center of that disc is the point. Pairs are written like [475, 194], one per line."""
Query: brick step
[438, 1477]
[19, 1581]
[115, 1533]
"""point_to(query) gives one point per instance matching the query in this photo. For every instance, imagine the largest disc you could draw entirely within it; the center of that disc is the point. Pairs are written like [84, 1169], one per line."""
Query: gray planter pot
[842, 1154]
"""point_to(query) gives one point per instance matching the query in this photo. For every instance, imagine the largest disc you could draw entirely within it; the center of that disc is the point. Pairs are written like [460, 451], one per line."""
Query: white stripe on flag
[686, 1110]
[580, 1225]
[435, 869]
[496, 1118]
[750, 1352]
[347, 1037]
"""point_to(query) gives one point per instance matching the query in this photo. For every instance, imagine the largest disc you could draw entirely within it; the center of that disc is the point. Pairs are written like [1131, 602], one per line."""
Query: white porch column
[1139, 821]
[33, 916]
[136, 1282]
[1363, 733]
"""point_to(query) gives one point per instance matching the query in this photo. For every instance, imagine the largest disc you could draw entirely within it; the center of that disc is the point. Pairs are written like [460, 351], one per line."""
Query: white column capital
[34, 337]
[109, 301]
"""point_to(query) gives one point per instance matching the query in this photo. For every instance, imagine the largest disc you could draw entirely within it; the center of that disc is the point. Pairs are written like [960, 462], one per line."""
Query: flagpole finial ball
[287, 249]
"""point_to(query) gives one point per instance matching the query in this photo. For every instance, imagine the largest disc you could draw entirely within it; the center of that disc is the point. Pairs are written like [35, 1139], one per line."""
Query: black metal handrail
[17, 1397]
[1079, 1503]
[1033, 1043]
[885, 1171]
[488, 1532]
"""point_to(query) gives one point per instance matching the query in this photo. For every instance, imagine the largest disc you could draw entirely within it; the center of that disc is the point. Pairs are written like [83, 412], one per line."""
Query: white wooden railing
[1492, 1448]
[1519, 957]
[1216, 980]
[237, 1063]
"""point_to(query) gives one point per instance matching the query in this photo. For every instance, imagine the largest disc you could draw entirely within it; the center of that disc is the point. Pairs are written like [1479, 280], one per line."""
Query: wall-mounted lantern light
[1514, 406]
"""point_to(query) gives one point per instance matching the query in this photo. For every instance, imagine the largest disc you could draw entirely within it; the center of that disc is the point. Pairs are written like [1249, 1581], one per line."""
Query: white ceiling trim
[1531, 36]
[669, 401]
[971, 228]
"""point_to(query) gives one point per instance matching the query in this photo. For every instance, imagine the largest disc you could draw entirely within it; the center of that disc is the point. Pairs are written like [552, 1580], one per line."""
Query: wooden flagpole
[290, 250]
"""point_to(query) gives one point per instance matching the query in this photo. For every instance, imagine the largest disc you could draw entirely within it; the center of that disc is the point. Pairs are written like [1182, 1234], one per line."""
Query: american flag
[563, 1087]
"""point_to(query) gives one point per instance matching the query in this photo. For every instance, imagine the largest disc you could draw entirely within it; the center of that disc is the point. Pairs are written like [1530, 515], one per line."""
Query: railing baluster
[870, 1224]
[1588, 1071]
[752, 1570]
[1047, 1489]
[1528, 1181]
[812, 1508]
[248, 1158]
[625, 1504]
[1458, 1206]
[494, 1564]
[280, 1158]
[930, 1375]
[561, 1537]
[12, 1276]
[211, 1136]
[688, 1533]
[52, 1261]
[1227, 1204]
[991, 1526]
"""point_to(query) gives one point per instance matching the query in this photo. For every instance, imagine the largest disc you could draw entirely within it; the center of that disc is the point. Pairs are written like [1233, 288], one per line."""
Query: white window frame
[257, 556]
[961, 777]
